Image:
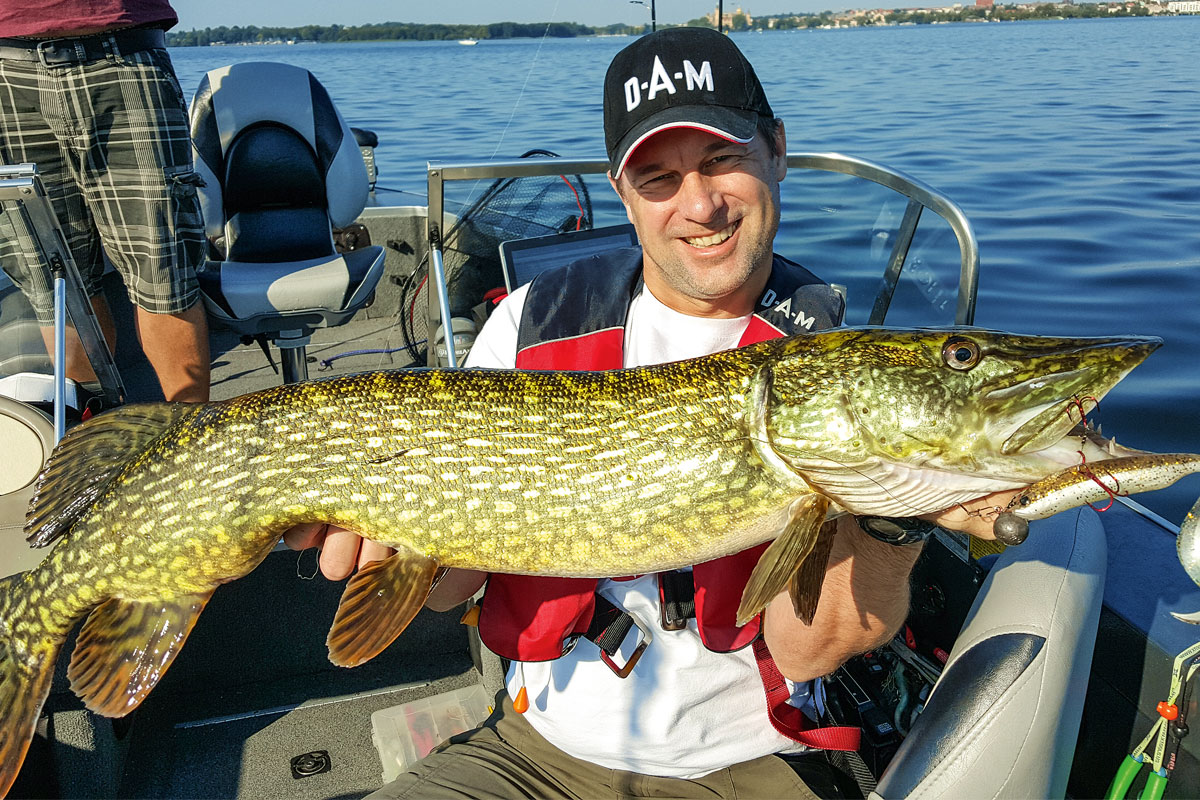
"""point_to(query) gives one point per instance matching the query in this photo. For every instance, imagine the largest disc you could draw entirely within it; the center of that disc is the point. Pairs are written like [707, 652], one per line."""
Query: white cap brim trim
[667, 126]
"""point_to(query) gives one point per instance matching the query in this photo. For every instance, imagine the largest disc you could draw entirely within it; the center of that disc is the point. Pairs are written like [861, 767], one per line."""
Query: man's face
[706, 211]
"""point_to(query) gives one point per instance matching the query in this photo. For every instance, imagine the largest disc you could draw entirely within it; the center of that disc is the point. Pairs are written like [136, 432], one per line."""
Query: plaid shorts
[110, 140]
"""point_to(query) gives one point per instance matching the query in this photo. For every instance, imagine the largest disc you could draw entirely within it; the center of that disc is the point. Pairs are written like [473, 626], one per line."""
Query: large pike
[151, 507]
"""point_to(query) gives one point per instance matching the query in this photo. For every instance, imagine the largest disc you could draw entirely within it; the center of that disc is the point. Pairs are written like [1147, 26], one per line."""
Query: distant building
[1183, 7]
[727, 20]
[985, 3]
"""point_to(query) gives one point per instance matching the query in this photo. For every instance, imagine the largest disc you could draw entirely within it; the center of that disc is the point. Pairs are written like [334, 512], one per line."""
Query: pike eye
[960, 354]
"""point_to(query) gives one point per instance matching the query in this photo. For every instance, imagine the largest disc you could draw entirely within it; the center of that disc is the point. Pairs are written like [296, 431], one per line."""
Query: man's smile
[712, 239]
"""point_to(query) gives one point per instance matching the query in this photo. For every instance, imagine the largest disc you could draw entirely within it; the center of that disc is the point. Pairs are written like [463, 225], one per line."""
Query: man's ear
[616, 185]
[781, 148]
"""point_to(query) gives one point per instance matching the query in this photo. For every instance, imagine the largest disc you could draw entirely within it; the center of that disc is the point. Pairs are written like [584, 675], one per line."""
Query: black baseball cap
[679, 78]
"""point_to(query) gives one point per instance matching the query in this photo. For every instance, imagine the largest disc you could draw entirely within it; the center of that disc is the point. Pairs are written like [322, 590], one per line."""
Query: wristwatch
[897, 531]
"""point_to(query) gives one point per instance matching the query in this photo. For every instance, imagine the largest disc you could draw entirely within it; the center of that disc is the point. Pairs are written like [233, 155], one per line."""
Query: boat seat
[281, 169]
[1003, 719]
[26, 439]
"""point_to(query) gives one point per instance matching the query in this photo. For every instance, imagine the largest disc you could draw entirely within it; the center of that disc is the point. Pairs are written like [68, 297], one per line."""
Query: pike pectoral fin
[379, 602]
[126, 646]
[805, 585]
[783, 558]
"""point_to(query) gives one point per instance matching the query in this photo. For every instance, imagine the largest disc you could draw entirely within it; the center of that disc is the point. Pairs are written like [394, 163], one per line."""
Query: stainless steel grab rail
[920, 196]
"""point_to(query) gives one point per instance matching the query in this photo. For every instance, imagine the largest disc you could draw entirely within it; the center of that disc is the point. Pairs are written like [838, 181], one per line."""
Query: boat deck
[231, 698]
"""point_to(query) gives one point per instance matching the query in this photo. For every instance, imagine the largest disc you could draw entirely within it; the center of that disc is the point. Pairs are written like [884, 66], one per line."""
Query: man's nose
[700, 198]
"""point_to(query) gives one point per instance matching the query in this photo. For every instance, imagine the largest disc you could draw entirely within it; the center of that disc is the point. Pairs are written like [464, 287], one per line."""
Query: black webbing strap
[609, 626]
[677, 596]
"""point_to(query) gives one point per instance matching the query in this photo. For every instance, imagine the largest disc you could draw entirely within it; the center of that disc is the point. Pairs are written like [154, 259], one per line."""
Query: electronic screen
[523, 259]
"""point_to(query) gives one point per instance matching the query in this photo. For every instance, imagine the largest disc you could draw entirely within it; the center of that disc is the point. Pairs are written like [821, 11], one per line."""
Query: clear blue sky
[211, 13]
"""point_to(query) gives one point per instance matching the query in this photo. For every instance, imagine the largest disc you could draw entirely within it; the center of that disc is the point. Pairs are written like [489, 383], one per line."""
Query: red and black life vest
[574, 318]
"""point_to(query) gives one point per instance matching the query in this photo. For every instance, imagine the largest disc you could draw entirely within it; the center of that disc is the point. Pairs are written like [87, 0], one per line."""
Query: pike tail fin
[26, 671]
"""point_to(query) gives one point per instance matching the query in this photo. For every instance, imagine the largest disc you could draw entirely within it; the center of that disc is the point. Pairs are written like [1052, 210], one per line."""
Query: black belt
[82, 49]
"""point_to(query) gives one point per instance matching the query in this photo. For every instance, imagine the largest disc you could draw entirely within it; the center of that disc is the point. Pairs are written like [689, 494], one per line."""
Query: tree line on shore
[390, 31]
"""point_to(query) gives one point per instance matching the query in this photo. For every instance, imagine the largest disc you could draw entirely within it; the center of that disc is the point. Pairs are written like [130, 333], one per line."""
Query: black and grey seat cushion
[281, 169]
[1004, 717]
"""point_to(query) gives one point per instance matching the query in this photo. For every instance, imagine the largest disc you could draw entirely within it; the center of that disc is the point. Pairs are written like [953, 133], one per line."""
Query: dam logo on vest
[795, 315]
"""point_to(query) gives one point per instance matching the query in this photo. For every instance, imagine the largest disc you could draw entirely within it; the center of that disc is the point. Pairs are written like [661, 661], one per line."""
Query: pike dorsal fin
[784, 557]
[87, 460]
[379, 602]
[126, 646]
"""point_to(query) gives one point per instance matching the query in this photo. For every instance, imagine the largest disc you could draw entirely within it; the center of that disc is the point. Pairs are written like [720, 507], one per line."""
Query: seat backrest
[282, 169]
[1004, 717]
[280, 165]
[26, 439]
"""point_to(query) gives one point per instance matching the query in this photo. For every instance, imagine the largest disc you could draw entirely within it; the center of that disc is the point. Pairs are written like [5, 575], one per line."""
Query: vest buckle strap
[570, 642]
[610, 625]
[644, 641]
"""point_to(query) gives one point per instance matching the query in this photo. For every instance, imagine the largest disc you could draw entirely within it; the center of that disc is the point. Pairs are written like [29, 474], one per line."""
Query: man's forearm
[864, 601]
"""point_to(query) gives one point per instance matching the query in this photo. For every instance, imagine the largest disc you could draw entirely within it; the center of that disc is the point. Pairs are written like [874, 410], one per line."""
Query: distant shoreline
[403, 31]
[388, 31]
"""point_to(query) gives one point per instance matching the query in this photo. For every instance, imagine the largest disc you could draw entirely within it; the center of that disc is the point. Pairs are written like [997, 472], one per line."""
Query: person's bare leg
[176, 345]
[79, 368]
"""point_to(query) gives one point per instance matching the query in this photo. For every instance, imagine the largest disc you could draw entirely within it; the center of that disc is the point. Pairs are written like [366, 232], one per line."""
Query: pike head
[905, 422]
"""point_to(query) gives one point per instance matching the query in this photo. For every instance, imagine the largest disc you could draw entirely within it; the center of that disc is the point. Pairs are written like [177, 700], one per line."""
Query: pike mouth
[1046, 407]
[1047, 427]
[1047, 423]
[712, 239]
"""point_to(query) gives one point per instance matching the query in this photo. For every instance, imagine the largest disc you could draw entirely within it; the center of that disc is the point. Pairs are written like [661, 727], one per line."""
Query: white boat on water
[468, 42]
[1048, 657]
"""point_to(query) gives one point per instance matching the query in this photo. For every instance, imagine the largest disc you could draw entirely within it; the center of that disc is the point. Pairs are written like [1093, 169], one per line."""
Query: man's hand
[974, 517]
[342, 551]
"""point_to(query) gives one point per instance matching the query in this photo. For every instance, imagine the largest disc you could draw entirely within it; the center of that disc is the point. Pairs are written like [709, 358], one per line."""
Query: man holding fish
[676, 706]
[707, 482]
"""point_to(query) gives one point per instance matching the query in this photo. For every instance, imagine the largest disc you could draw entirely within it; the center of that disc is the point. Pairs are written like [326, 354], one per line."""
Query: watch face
[897, 530]
[886, 527]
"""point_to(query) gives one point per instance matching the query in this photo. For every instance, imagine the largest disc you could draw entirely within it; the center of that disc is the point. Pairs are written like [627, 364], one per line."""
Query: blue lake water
[1073, 147]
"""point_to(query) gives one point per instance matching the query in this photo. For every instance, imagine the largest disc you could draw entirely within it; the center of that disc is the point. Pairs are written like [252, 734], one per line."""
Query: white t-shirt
[684, 711]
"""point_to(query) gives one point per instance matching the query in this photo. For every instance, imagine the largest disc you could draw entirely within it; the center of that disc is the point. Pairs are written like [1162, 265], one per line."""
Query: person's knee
[482, 765]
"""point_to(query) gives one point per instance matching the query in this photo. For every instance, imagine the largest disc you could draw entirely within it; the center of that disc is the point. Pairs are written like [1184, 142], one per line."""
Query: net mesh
[510, 208]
